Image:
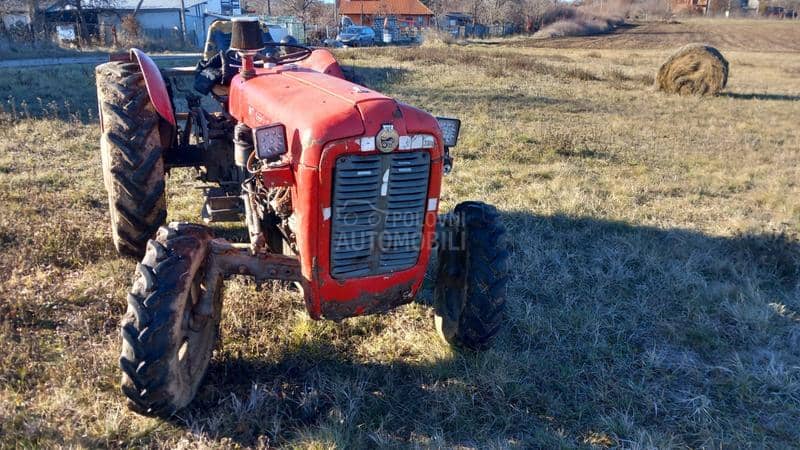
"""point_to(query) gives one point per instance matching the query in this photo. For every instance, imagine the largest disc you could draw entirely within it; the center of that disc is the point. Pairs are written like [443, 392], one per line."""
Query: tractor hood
[317, 108]
[327, 118]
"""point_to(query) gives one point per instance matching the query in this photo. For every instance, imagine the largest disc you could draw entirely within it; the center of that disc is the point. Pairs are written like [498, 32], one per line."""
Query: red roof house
[363, 12]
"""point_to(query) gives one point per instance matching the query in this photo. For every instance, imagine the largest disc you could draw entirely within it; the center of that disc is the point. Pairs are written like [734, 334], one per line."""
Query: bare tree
[531, 14]
[261, 6]
[305, 10]
[33, 10]
[499, 11]
[476, 8]
[299, 8]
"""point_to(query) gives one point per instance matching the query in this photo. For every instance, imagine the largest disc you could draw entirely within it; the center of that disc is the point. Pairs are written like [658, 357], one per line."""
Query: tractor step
[222, 207]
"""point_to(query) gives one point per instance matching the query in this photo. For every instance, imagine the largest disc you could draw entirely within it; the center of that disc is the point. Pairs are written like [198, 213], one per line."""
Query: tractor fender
[156, 87]
[322, 60]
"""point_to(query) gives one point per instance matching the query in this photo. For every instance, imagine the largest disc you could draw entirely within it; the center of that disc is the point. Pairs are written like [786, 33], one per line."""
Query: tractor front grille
[377, 212]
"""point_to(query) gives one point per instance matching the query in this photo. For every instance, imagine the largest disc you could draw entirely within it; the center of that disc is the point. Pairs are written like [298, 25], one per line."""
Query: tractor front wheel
[470, 291]
[171, 326]
[131, 152]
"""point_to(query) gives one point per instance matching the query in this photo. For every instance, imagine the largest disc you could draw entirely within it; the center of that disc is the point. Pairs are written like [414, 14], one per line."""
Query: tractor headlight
[270, 141]
[450, 129]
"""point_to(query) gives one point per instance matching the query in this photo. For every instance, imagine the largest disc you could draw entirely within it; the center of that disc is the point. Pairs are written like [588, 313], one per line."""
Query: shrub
[437, 38]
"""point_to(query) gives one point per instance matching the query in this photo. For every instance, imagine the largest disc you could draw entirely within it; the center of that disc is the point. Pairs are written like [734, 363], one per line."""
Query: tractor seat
[219, 37]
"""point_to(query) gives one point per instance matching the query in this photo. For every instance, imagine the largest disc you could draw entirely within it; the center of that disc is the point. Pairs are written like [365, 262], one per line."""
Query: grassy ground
[655, 300]
[45, 50]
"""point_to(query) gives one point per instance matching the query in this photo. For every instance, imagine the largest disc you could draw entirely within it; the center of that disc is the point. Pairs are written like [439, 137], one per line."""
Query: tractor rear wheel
[172, 323]
[130, 147]
[470, 292]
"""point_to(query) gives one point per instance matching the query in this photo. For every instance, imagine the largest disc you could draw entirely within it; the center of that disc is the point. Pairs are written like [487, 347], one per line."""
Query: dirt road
[88, 59]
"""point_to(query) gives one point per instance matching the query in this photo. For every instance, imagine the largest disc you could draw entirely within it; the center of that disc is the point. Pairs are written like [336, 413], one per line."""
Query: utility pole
[136, 10]
[183, 24]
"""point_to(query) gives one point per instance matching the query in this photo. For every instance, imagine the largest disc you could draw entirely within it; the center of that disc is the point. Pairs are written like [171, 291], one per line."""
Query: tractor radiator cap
[246, 34]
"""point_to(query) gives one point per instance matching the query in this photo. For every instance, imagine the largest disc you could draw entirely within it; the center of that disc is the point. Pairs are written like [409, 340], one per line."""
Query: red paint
[327, 289]
[156, 87]
[324, 115]
[323, 61]
[274, 177]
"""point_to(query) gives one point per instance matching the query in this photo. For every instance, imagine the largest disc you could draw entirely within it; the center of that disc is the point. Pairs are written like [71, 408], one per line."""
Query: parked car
[357, 36]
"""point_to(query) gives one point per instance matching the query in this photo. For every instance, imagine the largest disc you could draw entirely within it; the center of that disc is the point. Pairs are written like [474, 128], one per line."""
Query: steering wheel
[300, 53]
[277, 56]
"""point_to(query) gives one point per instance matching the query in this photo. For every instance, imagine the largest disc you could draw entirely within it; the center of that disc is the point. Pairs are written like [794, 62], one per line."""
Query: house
[462, 25]
[159, 20]
[457, 19]
[14, 13]
[701, 7]
[364, 12]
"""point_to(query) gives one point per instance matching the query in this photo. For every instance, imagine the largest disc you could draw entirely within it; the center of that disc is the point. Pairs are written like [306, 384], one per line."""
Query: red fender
[323, 61]
[156, 87]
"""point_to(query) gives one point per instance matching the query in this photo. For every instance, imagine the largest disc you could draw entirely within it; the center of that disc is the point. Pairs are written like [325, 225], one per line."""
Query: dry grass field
[733, 34]
[655, 297]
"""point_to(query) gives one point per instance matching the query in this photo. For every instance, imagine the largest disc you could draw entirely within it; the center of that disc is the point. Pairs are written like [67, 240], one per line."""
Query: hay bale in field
[695, 69]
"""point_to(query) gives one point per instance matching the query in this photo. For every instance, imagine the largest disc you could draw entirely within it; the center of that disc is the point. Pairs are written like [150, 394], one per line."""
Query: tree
[305, 10]
[263, 7]
[476, 8]
[534, 13]
[500, 11]
[33, 14]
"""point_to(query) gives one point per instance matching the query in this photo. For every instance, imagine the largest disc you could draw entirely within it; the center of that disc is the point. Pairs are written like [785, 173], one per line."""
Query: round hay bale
[695, 69]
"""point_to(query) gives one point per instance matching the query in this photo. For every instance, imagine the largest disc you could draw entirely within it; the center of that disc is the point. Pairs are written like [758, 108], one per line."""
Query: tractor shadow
[753, 96]
[588, 300]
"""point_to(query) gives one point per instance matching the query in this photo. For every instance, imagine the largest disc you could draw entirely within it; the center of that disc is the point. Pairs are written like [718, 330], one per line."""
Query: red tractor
[338, 186]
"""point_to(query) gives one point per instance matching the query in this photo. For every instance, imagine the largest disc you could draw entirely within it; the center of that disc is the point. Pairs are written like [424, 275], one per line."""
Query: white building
[160, 19]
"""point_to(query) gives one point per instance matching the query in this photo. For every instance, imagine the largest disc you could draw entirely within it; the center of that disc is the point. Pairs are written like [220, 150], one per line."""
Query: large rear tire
[168, 333]
[470, 292]
[130, 147]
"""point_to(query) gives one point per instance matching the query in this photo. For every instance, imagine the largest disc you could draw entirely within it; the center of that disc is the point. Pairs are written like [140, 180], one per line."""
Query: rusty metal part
[281, 202]
[221, 206]
[225, 260]
[369, 303]
[228, 259]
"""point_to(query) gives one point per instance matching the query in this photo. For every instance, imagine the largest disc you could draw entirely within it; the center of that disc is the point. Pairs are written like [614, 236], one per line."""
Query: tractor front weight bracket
[226, 259]
[229, 259]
